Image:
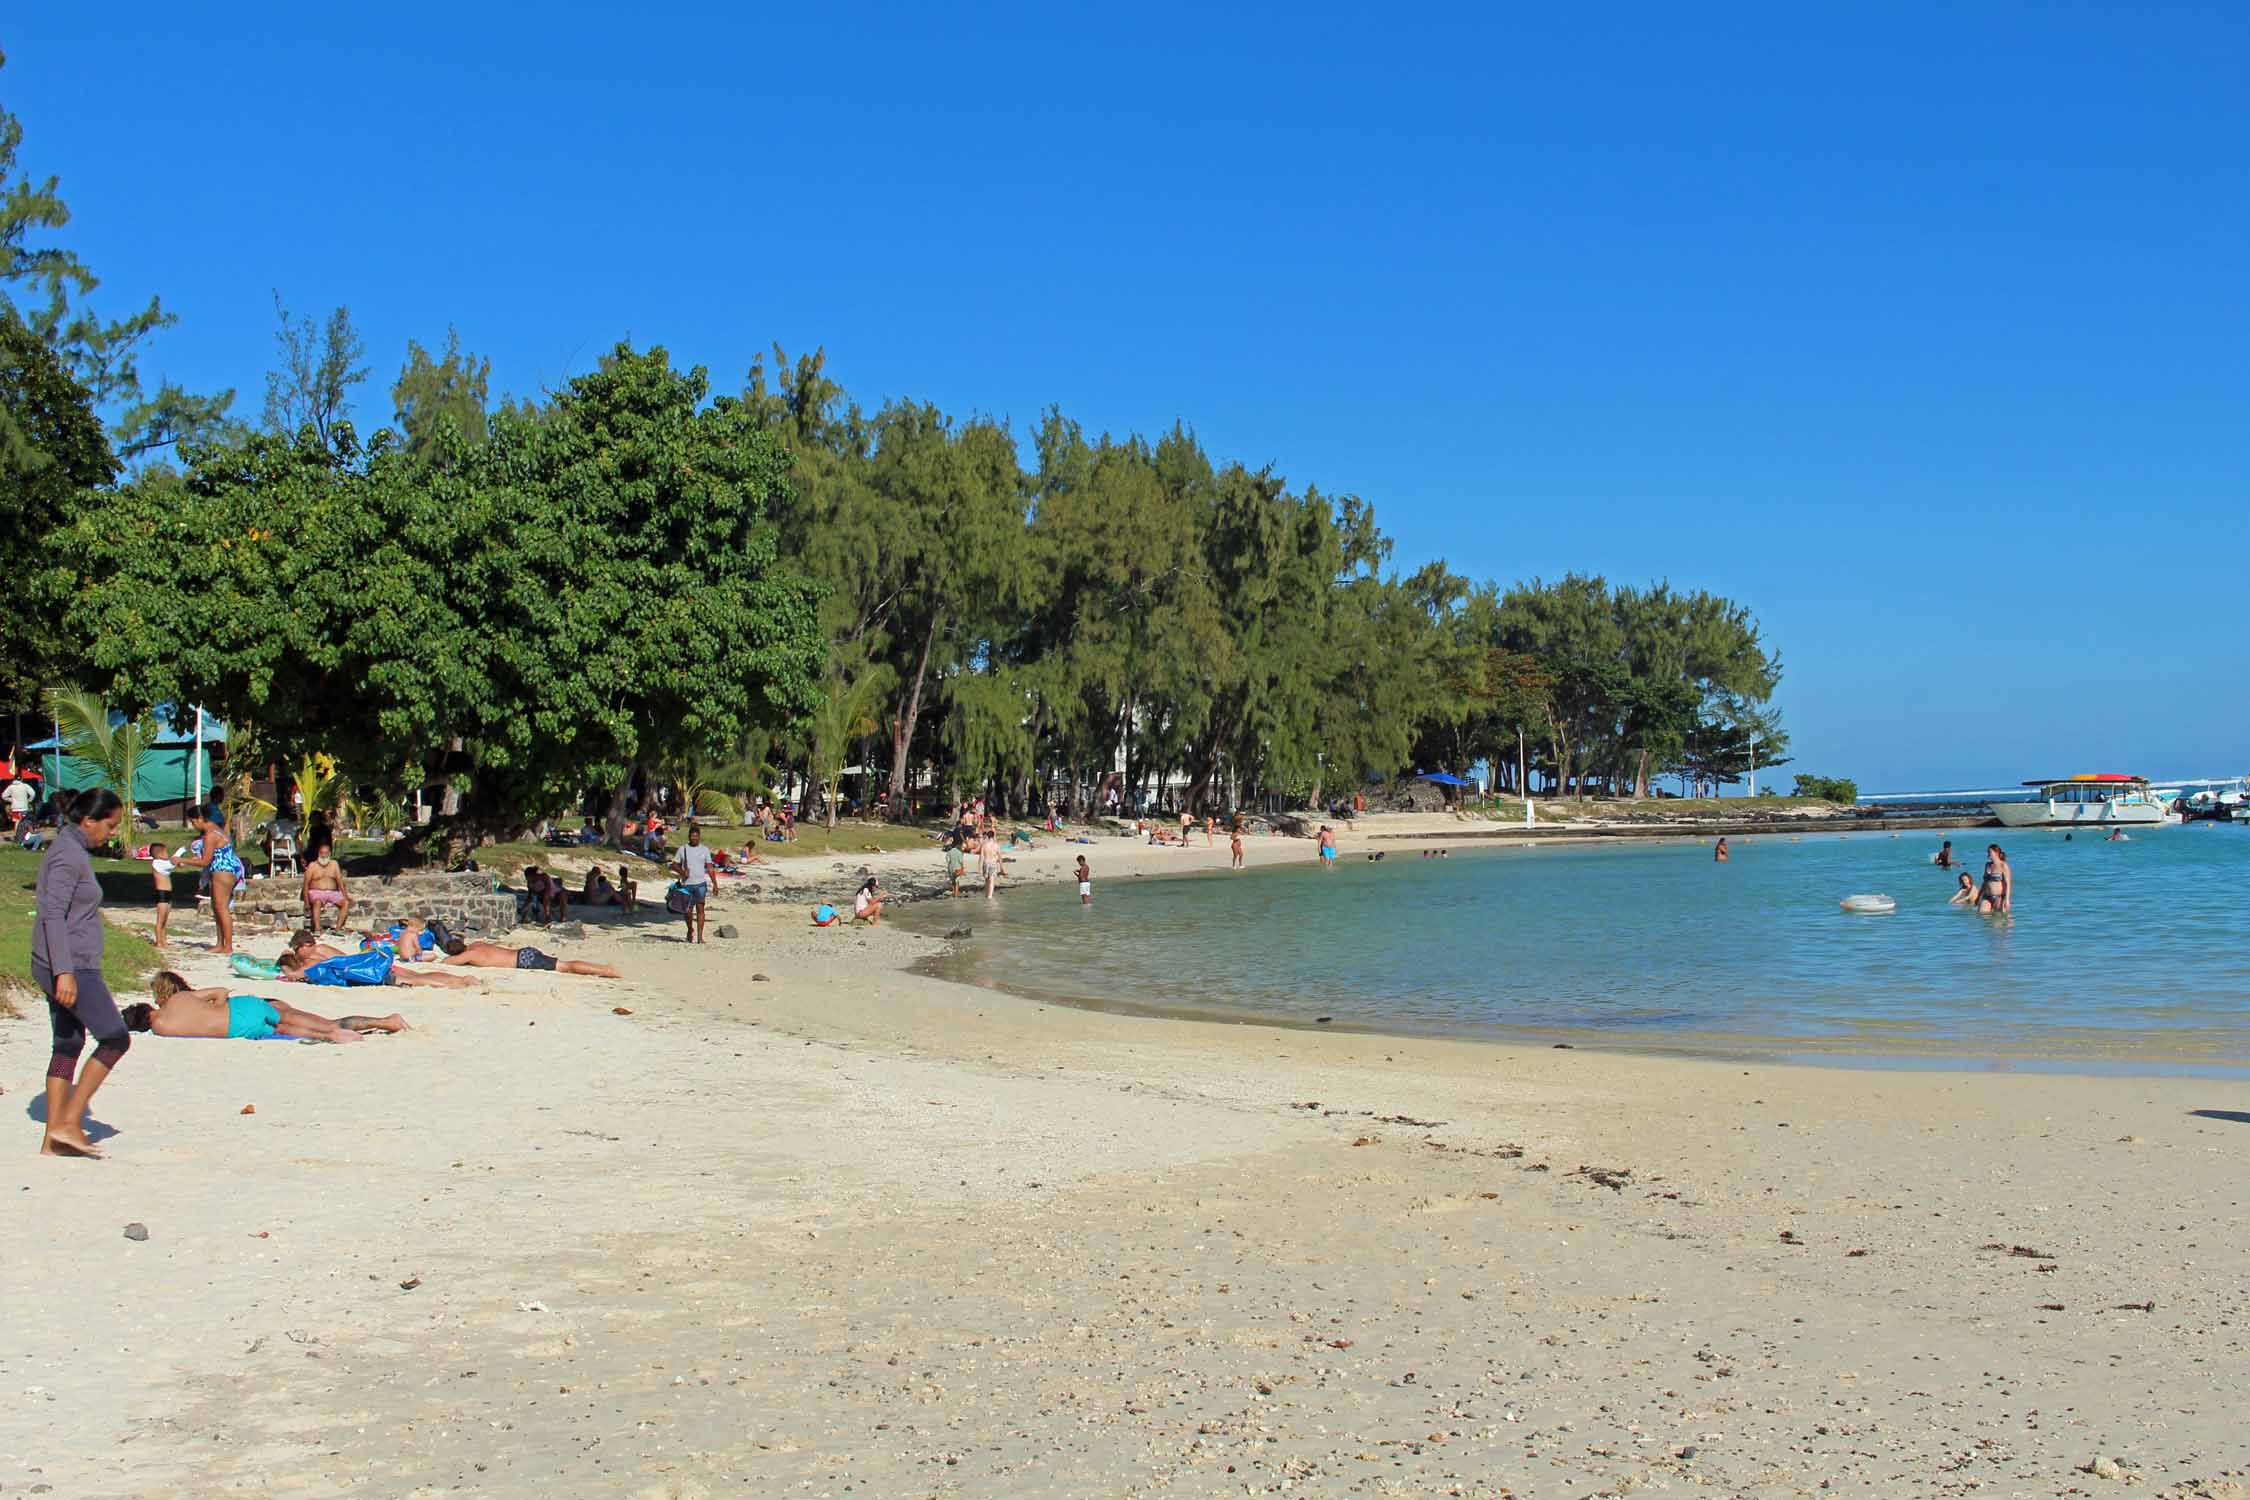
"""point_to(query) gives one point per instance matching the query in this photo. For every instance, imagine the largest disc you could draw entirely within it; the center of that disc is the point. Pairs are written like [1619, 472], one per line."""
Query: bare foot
[68, 1140]
[343, 1035]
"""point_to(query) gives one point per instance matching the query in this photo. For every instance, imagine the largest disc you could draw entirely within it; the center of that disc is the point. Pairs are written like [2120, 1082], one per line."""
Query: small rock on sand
[136, 1231]
[727, 930]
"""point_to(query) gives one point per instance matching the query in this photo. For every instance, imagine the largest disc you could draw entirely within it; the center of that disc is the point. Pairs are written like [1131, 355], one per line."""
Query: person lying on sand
[374, 967]
[183, 1011]
[483, 955]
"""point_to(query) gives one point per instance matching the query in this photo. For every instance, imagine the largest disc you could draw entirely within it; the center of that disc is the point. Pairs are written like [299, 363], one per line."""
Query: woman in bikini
[1997, 892]
[213, 854]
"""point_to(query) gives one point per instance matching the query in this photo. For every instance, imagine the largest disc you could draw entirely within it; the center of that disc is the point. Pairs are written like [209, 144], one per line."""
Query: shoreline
[2081, 1052]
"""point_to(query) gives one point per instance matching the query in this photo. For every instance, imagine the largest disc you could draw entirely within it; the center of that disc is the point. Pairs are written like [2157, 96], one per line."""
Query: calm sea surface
[2133, 955]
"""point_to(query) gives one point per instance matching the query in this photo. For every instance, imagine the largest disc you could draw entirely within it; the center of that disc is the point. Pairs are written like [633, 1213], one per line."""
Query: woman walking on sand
[213, 854]
[66, 964]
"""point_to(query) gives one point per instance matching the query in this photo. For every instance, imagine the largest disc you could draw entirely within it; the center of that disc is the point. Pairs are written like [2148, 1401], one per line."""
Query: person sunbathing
[183, 1011]
[483, 955]
[376, 966]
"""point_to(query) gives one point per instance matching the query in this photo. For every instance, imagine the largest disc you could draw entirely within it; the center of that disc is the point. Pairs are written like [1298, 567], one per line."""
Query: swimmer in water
[1720, 855]
[1966, 895]
[1944, 859]
[2118, 836]
[1997, 893]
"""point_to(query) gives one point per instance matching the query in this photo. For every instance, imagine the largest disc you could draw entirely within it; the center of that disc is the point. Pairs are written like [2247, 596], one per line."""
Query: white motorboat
[2104, 800]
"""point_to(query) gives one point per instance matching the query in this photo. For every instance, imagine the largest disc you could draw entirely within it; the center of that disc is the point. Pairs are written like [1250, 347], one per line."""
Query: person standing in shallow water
[1996, 893]
[66, 963]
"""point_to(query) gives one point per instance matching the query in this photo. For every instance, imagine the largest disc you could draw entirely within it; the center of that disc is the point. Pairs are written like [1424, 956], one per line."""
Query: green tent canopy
[164, 772]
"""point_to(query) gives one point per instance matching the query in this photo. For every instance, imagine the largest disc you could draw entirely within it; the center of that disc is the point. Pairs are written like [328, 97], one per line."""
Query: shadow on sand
[2237, 1116]
[96, 1131]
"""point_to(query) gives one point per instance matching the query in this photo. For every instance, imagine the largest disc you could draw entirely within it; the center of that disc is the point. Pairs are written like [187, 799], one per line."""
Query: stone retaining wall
[466, 903]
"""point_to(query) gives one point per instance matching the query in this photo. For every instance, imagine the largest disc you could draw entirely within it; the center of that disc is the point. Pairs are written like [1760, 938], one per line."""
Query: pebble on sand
[136, 1231]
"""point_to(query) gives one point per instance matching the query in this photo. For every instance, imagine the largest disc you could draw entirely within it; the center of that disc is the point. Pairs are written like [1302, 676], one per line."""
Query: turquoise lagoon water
[2134, 954]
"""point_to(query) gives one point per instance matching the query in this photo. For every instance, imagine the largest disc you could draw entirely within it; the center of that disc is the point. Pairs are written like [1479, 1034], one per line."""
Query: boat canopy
[2107, 778]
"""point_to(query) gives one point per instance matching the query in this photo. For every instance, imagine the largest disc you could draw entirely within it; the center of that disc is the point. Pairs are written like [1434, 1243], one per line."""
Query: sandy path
[850, 1230]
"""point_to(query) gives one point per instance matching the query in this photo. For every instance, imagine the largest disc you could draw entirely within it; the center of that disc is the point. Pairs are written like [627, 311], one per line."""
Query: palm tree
[711, 787]
[846, 714]
[319, 788]
[114, 751]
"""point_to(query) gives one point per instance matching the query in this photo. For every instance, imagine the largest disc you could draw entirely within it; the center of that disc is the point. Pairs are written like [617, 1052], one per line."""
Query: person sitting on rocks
[323, 888]
[483, 955]
[184, 1011]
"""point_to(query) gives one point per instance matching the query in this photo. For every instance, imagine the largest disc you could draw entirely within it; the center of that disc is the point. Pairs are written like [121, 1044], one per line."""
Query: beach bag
[677, 901]
[371, 967]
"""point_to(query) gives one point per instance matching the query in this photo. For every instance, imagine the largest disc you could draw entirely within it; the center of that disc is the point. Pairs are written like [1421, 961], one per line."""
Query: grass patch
[127, 957]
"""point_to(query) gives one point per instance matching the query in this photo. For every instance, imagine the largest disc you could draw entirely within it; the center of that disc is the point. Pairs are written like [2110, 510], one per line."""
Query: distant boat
[2102, 800]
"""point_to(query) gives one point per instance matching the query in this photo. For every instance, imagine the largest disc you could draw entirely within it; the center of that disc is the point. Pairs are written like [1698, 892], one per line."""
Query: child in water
[1966, 895]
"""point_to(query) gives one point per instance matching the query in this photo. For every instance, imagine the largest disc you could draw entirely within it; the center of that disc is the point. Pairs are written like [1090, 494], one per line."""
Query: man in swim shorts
[483, 955]
[1327, 847]
[323, 889]
[213, 1013]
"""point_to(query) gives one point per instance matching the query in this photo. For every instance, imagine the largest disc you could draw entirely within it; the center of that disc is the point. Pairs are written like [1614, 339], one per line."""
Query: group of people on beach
[974, 831]
[68, 941]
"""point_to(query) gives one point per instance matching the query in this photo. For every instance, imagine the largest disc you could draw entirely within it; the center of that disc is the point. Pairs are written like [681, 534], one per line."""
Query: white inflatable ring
[1873, 906]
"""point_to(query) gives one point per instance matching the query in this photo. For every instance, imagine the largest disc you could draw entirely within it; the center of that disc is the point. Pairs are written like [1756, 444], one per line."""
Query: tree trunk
[1208, 767]
[902, 729]
[613, 826]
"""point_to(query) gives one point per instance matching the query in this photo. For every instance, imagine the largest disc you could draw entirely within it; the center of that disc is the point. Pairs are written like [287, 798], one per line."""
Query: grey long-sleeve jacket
[68, 932]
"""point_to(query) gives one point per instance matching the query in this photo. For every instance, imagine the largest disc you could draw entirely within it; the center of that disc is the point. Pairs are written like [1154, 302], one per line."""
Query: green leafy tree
[582, 596]
[52, 451]
[1827, 788]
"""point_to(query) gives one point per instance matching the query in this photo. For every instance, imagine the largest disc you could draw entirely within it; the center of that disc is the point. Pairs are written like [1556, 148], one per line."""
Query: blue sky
[1920, 329]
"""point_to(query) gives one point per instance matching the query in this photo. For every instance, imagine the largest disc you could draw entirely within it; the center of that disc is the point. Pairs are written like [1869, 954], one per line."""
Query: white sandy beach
[849, 1230]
